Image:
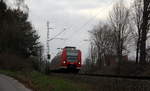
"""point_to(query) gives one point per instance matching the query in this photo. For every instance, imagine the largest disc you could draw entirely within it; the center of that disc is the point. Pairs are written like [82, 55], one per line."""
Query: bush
[14, 62]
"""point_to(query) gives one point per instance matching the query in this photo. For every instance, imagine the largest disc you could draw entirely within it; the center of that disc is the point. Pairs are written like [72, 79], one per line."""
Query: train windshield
[72, 55]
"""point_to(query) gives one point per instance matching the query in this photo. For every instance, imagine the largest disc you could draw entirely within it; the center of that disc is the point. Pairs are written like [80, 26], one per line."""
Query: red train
[68, 59]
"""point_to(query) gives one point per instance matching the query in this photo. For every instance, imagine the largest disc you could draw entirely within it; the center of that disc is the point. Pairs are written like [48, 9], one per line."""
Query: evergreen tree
[16, 32]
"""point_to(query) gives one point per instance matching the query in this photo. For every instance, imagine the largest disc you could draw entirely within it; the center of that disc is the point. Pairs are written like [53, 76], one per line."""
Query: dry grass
[42, 82]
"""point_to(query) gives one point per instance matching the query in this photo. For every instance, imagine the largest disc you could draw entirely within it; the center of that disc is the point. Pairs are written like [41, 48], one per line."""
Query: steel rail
[105, 75]
[118, 76]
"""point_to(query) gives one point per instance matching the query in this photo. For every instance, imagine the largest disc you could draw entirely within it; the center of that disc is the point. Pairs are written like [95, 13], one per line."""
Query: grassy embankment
[41, 82]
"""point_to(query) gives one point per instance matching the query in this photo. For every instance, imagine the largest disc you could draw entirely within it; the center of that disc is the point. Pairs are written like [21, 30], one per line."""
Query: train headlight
[79, 63]
[64, 62]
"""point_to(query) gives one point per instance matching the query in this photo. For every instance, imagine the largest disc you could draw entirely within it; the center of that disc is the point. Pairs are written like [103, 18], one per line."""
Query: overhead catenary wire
[85, 24]
[58, 34]
[72, 35]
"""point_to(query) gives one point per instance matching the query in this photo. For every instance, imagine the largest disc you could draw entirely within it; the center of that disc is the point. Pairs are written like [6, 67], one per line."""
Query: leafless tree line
[140, 22]
[126, 25]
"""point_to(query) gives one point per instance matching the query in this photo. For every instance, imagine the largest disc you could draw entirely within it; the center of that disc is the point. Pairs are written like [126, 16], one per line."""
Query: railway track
[118, 76]
[106, 76]
[102, 82]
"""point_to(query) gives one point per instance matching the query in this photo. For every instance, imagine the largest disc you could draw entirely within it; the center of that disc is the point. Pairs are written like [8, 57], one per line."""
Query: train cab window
[72, 55]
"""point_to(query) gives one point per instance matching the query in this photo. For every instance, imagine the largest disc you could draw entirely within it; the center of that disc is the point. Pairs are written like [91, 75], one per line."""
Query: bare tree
[90, 61]
[119, 19]
[138, 22]
[102, 44]
[93, 53]
[144, 31]
[137, 15]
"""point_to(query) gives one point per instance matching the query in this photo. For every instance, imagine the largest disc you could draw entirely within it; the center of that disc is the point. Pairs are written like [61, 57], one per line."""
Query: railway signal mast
[55, 37]
[48, 38]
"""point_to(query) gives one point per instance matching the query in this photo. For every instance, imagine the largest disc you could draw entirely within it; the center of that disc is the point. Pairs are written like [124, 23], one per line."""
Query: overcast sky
[77, 16]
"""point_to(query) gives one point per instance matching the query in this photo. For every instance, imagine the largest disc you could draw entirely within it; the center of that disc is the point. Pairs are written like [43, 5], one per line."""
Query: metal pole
[48, 48]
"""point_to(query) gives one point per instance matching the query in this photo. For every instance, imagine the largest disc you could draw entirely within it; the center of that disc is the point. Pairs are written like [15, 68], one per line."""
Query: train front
[71, 58]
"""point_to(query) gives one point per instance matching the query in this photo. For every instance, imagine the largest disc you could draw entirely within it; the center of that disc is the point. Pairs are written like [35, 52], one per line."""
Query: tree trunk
[144, 33]
[143, 49]
[119, 53]
[137, 51]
